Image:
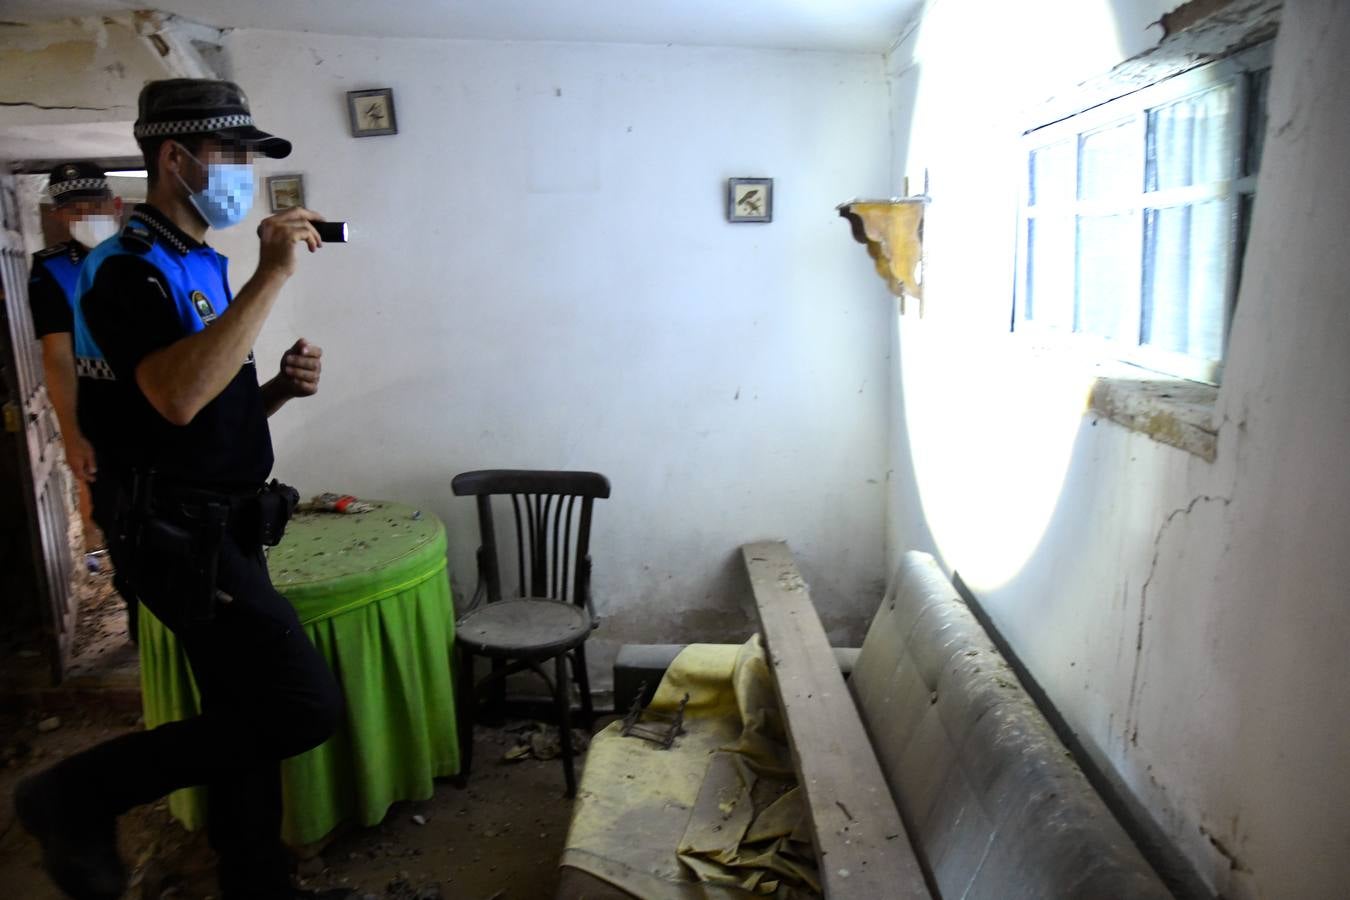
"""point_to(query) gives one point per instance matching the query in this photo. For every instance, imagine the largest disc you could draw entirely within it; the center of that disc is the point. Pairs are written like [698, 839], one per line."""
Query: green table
[372, 593]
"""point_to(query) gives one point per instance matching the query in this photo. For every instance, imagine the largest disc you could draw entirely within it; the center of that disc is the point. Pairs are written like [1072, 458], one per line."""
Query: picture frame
[750, 200]
[285, 191]
[371, 113]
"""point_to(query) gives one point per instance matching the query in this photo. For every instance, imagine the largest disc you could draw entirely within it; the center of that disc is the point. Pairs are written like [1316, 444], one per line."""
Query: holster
[275, 506]
[191, 546]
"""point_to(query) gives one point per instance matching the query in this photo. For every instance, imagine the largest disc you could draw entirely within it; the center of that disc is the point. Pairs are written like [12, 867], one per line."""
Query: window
[1135, 217]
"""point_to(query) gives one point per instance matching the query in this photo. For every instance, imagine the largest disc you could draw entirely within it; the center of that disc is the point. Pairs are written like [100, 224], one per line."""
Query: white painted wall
[541, 275]
[1190, 619]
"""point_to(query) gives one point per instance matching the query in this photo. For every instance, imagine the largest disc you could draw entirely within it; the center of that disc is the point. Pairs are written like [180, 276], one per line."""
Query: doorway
[66, 624]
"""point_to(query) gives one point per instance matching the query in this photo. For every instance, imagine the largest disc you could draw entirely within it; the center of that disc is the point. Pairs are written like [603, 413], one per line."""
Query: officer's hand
[300, 367]
[80, 457]
[278, 235]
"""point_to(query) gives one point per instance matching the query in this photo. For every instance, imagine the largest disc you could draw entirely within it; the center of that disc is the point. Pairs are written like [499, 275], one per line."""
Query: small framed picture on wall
[372, 112]
[285, 191]
[749, 199]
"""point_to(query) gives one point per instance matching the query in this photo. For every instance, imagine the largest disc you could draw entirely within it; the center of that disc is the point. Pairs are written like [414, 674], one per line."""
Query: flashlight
[332, 232]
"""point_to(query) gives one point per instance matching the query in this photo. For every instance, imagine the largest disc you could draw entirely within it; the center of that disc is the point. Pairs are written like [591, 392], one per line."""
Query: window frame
[1238, 69]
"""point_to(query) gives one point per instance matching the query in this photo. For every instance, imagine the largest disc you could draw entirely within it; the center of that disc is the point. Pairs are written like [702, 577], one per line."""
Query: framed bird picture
[749, 199]
[372, 112]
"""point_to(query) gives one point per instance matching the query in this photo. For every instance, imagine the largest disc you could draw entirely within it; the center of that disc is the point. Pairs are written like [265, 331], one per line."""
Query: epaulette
[137, 237]
[49, 252]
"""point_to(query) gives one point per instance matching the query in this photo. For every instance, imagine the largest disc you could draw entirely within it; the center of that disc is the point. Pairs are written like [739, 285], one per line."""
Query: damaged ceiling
[859, 25]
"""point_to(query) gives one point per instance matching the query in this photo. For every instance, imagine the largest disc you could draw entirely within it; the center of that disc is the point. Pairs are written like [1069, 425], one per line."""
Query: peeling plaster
[1169, 411]
[75, 71]
[1188, 14]
[1194, 33]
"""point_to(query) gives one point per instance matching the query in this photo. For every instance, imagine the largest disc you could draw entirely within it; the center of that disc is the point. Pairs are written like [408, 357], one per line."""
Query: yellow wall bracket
[892, 231]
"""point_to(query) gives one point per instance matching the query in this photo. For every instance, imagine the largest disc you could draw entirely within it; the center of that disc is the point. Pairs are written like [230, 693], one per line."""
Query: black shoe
[79, 854]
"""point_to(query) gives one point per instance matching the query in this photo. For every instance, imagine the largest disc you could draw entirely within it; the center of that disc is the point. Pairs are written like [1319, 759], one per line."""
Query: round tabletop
[329, 562]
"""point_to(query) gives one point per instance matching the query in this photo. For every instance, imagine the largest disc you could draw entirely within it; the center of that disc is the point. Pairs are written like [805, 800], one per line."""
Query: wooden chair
[550, 616]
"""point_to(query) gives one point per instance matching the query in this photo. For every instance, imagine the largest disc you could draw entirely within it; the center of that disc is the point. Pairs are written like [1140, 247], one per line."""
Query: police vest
[197, 282]
[89, 362]
[56, 260]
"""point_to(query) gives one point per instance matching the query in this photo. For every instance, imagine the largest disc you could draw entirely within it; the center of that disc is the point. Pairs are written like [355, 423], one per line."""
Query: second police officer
[84, 205]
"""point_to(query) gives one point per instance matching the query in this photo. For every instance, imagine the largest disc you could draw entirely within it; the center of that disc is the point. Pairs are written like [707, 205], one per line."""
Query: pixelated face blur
[88, 209]
[222, 189]
[213, 152]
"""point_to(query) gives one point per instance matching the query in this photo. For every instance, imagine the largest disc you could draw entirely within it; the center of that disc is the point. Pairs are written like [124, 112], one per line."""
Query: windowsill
[1168, 410]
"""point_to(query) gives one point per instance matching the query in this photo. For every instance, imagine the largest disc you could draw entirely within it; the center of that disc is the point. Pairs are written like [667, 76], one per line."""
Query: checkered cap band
[192, 126]
[58, 189]
[88, 367]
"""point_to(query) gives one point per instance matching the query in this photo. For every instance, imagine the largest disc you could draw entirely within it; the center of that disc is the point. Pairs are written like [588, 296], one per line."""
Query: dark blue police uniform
[52, 285]
[195, 513]
[266, 693]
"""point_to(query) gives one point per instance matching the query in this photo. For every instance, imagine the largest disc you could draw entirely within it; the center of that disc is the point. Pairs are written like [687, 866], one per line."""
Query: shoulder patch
[137, 237]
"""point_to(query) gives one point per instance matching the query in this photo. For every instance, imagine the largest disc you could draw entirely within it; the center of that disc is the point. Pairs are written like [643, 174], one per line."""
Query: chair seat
[524, 627]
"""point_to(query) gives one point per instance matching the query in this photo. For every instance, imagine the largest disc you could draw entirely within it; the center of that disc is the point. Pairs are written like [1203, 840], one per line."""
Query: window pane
[1186, 277]
[1258, 86]
[1108, 276]
[1052, 174]
[1049, 294]
[1108, 163]
[1190, 141]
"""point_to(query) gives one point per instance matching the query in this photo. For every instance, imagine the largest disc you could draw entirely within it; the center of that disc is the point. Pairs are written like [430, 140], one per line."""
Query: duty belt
[257, 515]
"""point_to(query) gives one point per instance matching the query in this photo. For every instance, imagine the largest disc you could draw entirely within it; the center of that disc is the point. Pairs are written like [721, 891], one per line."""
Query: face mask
[93, 230]
[228, 195]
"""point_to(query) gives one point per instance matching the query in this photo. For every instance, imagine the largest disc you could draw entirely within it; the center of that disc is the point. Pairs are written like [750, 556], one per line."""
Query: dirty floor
[499, 839]
[101, 649]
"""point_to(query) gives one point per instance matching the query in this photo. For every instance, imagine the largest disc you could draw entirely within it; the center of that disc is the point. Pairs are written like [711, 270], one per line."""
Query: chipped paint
[1188, 14]
[1190, 39]
[76, 71]
[1177, 413]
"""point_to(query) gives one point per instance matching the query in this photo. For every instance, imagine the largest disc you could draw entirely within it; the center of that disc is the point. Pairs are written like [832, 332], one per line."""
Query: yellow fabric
[714, 816]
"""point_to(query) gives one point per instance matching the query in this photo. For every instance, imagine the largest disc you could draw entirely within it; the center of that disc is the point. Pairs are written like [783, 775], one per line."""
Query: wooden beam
[861, 846]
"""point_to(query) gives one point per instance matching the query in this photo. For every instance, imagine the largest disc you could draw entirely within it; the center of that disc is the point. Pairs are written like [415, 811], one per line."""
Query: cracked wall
[69, 87]
[91, 67]
[1187, 616]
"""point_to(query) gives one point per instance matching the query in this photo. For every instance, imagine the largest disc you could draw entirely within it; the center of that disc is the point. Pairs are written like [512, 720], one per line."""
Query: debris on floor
[536, 740]
[102, 649]
[501, 836]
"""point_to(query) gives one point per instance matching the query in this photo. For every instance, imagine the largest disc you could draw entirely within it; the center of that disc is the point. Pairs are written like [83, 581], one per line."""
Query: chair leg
[583, 679]
[564, 703]
[496, 696]
[467, 701]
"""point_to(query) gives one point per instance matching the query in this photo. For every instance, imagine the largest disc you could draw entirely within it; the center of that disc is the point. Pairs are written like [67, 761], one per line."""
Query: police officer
[86, 207]
[196, 446]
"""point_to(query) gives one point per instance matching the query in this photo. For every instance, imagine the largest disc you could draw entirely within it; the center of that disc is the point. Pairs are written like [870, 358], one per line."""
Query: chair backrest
[549, 562]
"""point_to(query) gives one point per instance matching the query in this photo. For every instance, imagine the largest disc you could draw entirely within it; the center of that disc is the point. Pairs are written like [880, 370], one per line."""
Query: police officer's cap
[178, 107]
[74, 181]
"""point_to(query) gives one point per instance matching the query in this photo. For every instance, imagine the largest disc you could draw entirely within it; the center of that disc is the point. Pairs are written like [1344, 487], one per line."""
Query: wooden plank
[861, 845]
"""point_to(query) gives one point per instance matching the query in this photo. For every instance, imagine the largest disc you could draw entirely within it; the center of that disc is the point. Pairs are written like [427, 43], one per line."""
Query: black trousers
[103, 491]
[266, 695]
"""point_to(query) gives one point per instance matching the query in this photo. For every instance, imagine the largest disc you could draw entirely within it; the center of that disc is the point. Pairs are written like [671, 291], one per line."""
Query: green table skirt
[391, 648]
